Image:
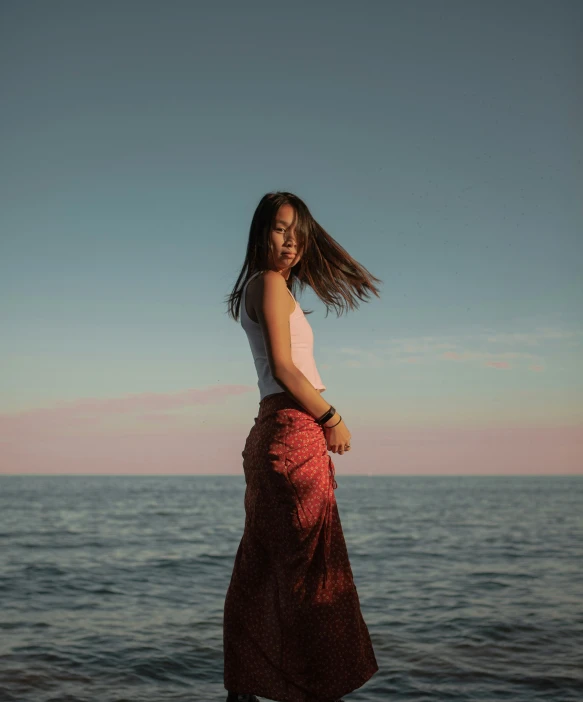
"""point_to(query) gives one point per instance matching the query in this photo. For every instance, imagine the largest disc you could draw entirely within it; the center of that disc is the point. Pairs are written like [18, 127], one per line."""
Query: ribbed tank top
[302, 348]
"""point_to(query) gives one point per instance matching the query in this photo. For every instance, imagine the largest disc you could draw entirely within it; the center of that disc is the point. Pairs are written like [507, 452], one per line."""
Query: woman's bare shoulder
[267, 283]
[267, 280]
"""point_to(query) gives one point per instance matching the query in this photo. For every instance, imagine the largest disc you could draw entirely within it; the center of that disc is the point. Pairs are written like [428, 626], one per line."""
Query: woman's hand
[337, 437]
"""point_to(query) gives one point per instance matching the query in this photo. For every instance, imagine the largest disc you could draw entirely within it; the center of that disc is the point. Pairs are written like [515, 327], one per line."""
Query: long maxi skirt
[293, 630]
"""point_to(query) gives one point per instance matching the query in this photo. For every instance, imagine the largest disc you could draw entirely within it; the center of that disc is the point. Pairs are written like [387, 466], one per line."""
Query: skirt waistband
[278, 401]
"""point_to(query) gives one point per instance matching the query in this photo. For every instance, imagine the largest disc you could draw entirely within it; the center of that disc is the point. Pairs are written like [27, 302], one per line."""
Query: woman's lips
[288, 255]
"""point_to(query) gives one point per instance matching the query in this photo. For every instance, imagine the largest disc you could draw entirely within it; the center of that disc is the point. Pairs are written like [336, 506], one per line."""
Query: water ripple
[112, 588]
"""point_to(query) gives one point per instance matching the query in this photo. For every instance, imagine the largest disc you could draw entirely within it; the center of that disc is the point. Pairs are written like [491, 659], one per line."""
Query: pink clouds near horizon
[70, 438]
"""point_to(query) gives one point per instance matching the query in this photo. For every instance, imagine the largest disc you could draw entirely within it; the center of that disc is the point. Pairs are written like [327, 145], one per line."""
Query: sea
[112, 587]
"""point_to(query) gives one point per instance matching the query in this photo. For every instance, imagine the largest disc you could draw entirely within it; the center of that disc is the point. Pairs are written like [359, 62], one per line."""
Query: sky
[438, 142]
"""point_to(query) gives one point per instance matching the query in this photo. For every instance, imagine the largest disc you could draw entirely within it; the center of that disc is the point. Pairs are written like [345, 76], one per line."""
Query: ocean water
[112, 588]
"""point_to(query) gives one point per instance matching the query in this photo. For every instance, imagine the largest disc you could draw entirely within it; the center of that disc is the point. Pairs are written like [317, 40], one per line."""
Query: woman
[292, 628]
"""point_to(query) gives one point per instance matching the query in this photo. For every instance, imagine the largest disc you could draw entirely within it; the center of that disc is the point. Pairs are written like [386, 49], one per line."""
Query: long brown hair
[335, 277]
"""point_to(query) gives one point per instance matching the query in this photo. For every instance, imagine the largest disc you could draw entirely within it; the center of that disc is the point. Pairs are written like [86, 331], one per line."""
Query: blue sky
[438, 142]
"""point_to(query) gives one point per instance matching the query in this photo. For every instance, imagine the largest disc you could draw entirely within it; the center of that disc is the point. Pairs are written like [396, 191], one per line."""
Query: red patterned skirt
[293, 630]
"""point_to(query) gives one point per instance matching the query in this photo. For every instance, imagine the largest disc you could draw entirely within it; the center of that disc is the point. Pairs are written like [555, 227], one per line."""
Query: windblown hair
[335, 277]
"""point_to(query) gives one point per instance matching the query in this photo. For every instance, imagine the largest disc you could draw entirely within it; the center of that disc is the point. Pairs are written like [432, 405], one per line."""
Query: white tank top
[302, 348]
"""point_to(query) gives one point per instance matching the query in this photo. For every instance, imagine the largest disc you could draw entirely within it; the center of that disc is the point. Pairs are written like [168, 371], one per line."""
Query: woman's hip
[286, 460]
[284, 430]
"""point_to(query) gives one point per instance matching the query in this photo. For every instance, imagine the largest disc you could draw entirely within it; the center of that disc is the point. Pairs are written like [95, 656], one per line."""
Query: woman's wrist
[333, 421]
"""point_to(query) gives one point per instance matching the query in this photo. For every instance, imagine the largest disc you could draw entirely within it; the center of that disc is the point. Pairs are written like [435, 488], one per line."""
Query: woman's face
[283, 241]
